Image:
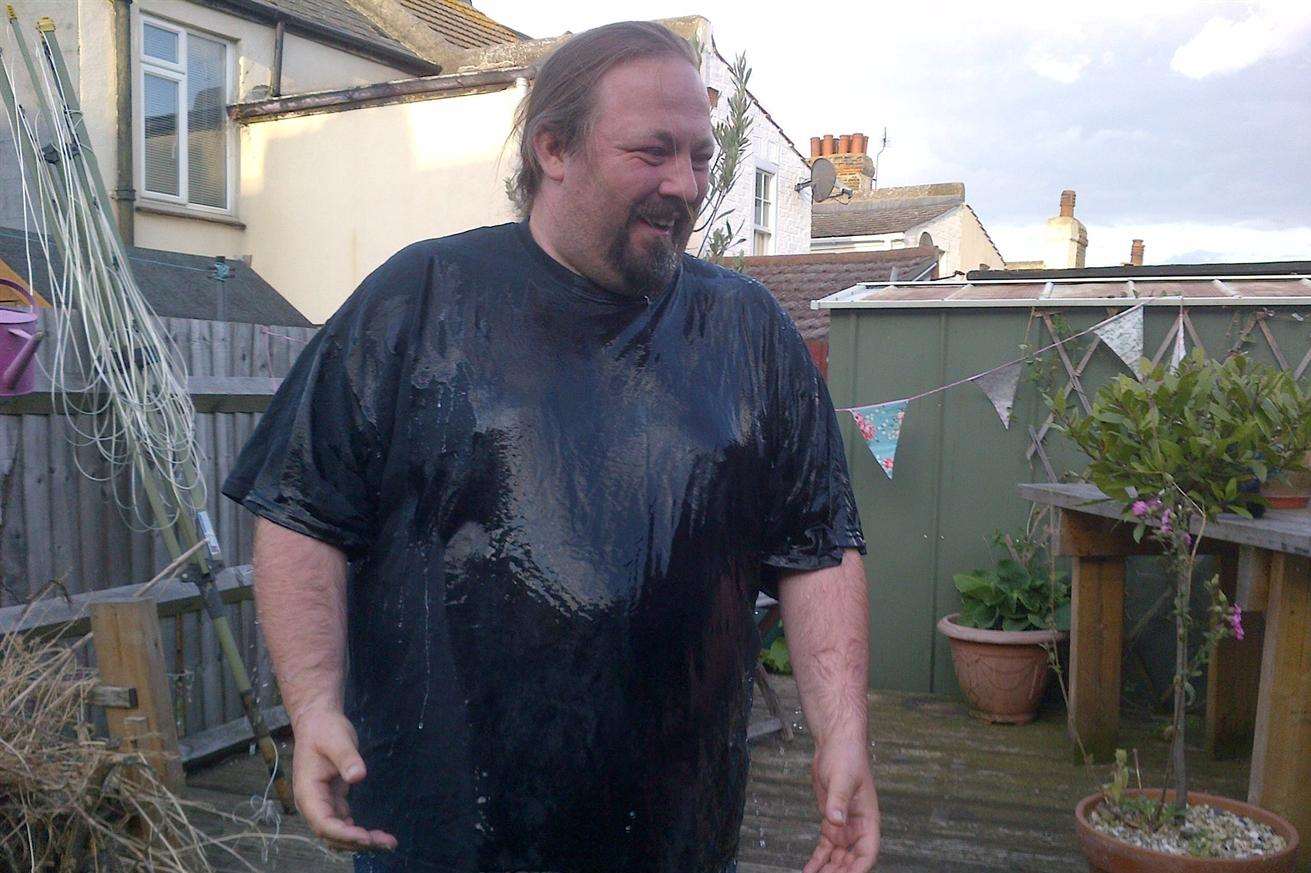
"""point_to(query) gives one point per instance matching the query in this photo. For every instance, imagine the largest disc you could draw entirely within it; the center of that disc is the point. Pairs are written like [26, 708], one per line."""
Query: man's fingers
[339, 748]
[820, 857]
[838, 798]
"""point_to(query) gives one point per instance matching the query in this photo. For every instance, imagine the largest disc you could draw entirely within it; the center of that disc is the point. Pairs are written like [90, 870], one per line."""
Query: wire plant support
[115, 373]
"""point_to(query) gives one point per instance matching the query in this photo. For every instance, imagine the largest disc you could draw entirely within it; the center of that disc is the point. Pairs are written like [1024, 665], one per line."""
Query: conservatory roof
[1275, 289]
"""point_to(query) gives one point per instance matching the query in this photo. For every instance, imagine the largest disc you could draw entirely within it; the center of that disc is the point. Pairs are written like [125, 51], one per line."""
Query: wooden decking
[958, 796]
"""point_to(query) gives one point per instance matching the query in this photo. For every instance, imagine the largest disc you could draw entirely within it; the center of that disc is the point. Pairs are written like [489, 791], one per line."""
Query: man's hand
[324, 764]
[844, 791]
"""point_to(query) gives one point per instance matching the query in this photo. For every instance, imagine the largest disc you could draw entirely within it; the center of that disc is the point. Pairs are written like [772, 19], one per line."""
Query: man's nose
[680, 179]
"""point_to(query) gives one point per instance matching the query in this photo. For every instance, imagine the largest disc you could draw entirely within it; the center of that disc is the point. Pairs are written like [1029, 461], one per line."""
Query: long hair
[563, 96]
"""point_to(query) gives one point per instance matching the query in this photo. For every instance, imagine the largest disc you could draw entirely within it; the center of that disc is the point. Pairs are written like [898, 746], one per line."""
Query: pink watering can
[18, 341]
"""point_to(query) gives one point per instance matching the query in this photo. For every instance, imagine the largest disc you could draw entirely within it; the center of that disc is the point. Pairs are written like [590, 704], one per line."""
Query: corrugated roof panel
[1070, 292]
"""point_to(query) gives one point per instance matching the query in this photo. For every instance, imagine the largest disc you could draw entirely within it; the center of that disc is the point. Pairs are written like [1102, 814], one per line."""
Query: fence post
[130, 652]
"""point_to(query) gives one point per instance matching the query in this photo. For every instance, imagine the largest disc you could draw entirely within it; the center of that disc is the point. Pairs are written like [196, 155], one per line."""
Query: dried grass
[74, 803]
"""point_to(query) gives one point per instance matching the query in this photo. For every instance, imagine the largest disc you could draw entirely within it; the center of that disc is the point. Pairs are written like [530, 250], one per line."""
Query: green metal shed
[956, 465]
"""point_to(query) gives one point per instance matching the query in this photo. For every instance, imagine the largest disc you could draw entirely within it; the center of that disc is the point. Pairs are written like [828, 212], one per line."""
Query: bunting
[999, 385]
[1124, 336]
[880, 427]
[1177, 356]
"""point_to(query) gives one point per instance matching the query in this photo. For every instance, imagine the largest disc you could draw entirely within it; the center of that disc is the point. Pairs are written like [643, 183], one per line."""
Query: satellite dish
[823, 176]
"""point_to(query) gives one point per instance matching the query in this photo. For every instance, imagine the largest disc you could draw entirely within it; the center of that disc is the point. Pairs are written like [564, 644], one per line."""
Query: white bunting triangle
[999, 386]
[1124, 336]
[1177, 356]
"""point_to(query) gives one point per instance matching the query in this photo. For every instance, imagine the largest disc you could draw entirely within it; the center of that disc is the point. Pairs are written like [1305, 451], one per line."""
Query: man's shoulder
[728, 285]
[407, 277]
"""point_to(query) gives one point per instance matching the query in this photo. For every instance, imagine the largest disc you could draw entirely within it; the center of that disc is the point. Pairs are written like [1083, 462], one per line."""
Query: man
[536, 475]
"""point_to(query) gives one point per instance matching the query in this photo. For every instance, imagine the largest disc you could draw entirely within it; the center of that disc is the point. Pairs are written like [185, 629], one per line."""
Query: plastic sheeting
[559, 504]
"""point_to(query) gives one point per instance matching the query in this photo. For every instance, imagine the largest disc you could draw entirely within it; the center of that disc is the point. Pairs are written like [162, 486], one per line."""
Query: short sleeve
[812, 514]
[314, 463]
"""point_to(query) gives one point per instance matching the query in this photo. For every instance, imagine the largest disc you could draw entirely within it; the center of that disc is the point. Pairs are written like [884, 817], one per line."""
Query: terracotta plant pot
[1106, 854]
[1002, 673]
[1288, 490]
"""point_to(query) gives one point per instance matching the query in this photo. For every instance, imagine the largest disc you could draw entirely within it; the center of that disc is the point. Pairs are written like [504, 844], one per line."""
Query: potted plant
[1177, 449]
[1001, 640]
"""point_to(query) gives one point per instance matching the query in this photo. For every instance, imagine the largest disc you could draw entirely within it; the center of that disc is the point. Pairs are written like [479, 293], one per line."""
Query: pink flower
[1139, 508]
[1165, 522]
[1235, 619]
[1188, 540]
[866, 431]
[1155, 504]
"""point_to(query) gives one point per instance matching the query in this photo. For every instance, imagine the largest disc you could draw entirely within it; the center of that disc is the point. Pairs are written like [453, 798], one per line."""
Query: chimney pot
[828, 146]
[815, 143]
[1136, 253]
[859, 142]
[844, 144]
[1067, 203]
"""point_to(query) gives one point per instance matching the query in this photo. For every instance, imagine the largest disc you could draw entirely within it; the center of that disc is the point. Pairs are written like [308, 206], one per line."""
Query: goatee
[647, 269]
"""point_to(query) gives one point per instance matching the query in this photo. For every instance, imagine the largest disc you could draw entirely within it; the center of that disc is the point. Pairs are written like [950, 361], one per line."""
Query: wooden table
[1258, 690]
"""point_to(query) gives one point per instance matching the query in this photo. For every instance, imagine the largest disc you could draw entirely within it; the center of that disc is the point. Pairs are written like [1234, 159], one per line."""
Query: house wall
[86, 33]
[964, 243]
[769, 150]
[397, 174]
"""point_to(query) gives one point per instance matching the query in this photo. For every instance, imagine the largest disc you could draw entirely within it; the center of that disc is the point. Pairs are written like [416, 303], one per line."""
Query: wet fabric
[559, 505]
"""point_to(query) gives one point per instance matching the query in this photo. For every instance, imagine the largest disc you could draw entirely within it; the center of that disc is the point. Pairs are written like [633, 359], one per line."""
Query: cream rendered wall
[86, 32]
[329, 197]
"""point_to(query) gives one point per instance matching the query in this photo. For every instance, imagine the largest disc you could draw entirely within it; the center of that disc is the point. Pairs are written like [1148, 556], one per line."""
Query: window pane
[207, 165]
[161, 152]
[760, 244]
[157, 42]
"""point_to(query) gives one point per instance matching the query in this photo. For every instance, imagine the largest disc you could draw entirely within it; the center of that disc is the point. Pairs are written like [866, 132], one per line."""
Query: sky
[1186, 124]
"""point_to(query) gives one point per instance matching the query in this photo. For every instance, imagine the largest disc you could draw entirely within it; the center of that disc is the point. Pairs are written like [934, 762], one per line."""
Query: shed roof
[885, 210]
[798, 280]
[1286, 288]
[176, 285]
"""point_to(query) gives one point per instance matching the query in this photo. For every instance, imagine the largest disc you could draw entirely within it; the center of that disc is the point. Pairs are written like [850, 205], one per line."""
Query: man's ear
[550, 154]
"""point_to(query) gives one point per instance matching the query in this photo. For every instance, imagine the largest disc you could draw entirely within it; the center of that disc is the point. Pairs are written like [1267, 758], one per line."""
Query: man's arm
[826, 618]
[300, 597]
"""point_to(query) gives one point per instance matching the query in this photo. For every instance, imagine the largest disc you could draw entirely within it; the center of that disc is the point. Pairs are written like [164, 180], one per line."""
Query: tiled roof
[870, 216]
[341, 15]
[176, 285]
[796, 280]
[459, 23]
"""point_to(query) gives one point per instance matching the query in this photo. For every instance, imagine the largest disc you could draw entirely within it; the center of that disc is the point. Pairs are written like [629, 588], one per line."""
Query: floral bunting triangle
[880, 427]
[999, 386]
[1124, 336]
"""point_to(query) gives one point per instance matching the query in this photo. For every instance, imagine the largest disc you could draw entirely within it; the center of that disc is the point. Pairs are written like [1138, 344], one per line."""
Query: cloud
[1065, 70]
[1226, 46]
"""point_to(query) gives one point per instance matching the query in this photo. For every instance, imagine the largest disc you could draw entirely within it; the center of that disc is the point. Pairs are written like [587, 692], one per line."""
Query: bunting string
[1047, 348]
[880, 423]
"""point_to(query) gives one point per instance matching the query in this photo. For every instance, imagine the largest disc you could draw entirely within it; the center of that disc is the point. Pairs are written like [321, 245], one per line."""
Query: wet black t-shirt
[559, 505]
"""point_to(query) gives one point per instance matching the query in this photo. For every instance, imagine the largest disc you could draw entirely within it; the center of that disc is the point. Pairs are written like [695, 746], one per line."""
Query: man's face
[632, 188]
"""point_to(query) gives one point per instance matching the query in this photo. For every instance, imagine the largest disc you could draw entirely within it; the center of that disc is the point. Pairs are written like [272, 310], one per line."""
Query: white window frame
[178, 73]
[770, 230]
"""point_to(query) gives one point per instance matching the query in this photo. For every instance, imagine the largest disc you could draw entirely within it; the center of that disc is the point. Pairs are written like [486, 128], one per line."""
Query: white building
[865, 218]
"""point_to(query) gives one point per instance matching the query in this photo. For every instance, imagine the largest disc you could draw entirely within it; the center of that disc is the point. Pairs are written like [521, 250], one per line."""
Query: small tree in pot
[1179, 448]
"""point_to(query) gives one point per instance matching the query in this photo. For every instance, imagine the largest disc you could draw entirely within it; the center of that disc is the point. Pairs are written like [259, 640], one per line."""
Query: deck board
[956, 794]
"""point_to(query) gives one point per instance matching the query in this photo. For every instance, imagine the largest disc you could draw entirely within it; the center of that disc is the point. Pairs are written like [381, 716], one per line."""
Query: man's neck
[536, 227]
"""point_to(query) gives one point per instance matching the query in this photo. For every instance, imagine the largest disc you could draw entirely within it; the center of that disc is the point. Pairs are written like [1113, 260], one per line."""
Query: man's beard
[648, 269]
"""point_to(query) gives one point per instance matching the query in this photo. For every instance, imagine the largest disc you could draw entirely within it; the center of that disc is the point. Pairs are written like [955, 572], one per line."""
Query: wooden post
[1098, 547]
[1281, 751]
[130, 652]
[1234, 673]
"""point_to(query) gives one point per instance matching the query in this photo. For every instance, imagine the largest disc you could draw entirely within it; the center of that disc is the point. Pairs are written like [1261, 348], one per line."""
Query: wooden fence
[57, 524]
